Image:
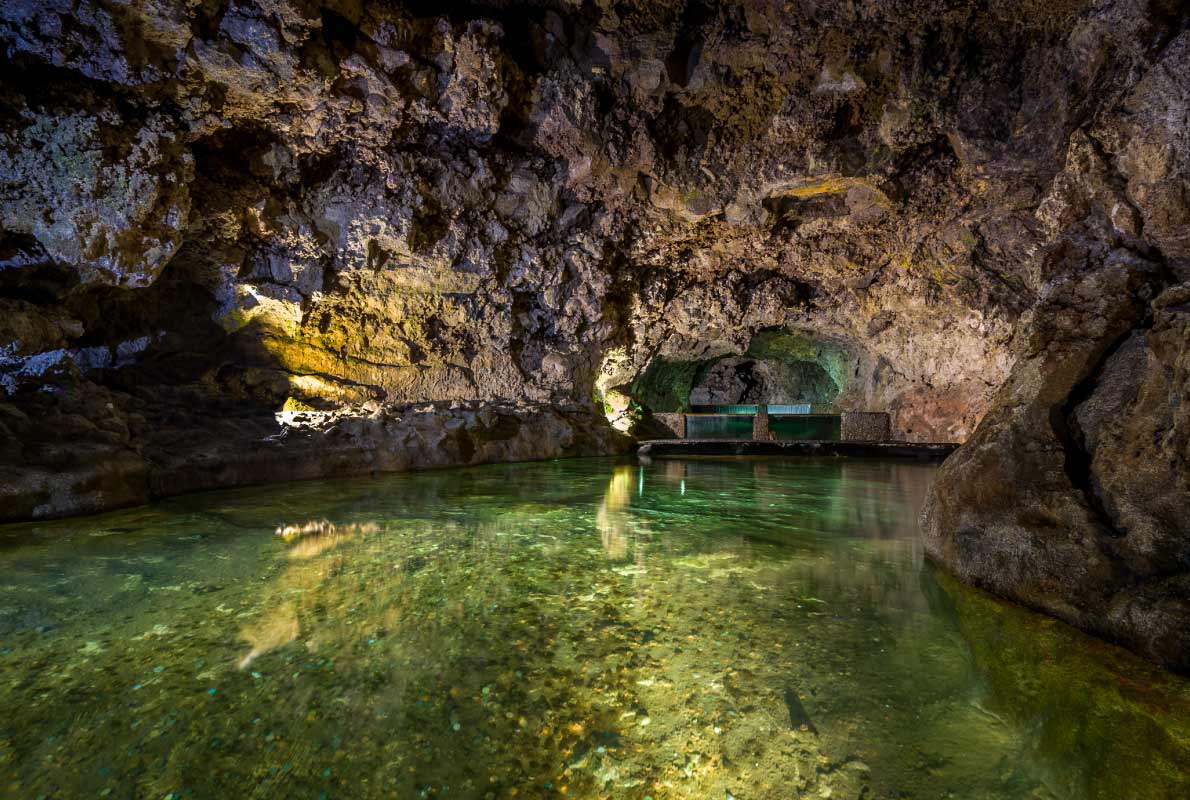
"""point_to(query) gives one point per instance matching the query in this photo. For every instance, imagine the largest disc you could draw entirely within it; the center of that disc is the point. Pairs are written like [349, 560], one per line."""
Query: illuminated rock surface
[531, 215]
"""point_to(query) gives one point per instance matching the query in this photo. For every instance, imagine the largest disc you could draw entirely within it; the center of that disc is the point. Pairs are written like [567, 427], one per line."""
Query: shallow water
[586, 628]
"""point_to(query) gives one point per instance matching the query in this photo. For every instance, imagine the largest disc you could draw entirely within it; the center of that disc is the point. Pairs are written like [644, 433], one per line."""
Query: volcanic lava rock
[1070, 497]
[341, 203]
[108, 465]
[216, 216]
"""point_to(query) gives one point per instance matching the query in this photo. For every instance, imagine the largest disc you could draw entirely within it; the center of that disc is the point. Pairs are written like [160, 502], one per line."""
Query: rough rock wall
[1071, 496]
[215, 210]
[735, 380]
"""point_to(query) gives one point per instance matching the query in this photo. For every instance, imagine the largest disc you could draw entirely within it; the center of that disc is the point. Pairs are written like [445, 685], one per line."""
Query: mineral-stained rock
[215, 212]
[1135, 427]
[1070, 497]
[109, 465]
[114, 213]
[1152, 144]
[1064, 498]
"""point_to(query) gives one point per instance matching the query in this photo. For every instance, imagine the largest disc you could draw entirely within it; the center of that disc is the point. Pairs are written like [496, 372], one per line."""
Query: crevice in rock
[45, 83]
[338, 32]
[1169, 18]
[28, 273]
[232, 154]
[688, 44]
[1077, 460]
[429, 224]
[519, 67]
[905, 171]
[747, 375]
[208, 16]
[683, 131]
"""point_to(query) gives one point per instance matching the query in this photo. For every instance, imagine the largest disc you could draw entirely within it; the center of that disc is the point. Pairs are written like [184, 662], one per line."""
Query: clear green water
[718, 426]
[583, 628]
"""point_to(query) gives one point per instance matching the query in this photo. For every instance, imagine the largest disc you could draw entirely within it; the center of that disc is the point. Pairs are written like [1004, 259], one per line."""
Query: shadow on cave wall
[751, 381]
[156, 351]
[154, 354]
[105, 387]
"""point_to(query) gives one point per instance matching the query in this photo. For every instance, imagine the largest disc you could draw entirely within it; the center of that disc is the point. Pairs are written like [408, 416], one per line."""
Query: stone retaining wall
[674, 423]
[865, 426]
[760, 424]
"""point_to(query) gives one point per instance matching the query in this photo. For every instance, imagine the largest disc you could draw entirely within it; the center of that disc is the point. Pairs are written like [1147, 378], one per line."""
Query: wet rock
[91, 468]
[213, 214]
[1063, 499]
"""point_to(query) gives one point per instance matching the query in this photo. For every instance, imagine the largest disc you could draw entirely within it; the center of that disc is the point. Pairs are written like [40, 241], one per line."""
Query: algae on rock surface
[1095, 713]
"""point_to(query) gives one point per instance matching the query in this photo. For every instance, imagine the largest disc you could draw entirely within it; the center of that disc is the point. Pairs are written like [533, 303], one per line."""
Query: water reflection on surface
[582, 628]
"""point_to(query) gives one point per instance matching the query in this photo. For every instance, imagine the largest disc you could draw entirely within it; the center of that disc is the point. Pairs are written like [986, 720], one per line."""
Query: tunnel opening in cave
[793, 379]
[779, 367]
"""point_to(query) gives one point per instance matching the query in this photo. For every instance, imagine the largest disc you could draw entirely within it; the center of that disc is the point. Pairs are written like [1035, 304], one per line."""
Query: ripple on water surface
[588, 628]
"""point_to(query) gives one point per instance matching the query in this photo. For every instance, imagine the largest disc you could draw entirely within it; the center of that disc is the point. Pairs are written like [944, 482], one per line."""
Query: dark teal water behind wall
[805, 426]
[719, 426]
[784, 427]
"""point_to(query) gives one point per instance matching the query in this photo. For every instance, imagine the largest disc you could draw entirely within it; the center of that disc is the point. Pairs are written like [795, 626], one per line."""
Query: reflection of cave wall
[1082, 703]
[746, 380]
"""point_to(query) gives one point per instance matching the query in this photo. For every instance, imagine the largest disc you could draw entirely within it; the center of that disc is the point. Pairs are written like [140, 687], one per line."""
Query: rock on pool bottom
[584, 628]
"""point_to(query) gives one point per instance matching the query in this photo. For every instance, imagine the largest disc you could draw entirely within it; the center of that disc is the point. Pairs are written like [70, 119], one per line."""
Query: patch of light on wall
[615, 370]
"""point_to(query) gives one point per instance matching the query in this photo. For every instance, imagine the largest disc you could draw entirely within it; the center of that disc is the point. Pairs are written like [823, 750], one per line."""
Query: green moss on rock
[665, 385]
[791, 346]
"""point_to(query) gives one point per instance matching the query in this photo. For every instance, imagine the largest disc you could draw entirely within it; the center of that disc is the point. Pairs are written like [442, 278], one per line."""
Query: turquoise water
[786, 408]
[718, 426]
[586, 629]
[818, 426]
[783, 426]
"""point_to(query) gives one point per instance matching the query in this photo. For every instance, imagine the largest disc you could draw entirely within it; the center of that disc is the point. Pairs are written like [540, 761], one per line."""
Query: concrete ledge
[660, 448]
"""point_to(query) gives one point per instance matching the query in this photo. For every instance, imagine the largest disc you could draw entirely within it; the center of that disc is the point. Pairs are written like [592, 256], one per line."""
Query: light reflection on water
[579, 628]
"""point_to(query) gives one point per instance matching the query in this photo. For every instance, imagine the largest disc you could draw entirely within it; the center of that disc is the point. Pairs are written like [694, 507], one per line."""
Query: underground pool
[579, 628]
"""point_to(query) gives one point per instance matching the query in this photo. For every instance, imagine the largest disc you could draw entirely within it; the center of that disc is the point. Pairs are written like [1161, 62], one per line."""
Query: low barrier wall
[865, 426]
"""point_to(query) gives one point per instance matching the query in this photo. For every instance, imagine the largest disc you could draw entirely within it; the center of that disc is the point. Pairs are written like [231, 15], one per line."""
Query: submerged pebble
[591, 643]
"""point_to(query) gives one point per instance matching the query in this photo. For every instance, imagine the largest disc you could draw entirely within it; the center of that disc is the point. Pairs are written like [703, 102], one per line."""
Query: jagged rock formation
[745, 380]
[1071, 497]
[213, 213]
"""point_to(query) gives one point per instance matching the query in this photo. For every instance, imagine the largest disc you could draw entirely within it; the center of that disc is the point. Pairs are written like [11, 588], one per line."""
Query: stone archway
[778, 366]
[733, 380]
